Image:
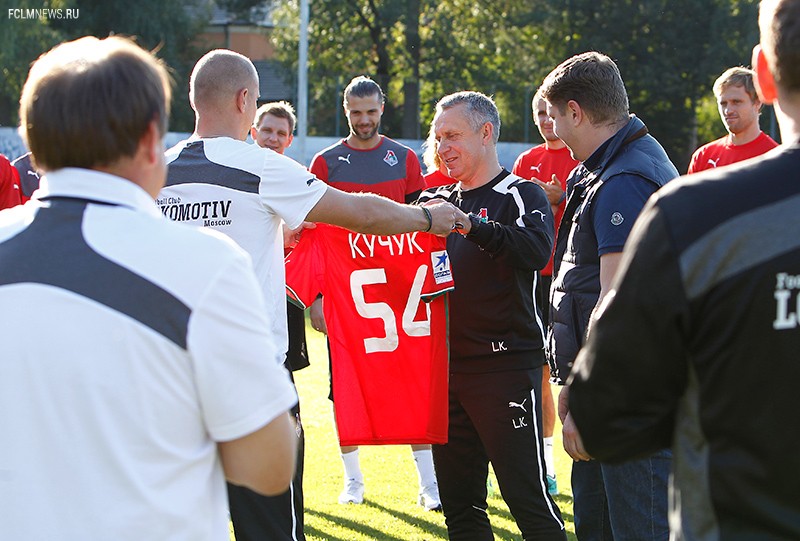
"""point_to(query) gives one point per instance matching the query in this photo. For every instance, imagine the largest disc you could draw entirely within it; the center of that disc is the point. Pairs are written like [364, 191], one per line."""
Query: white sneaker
[353, 492]
[429, 498]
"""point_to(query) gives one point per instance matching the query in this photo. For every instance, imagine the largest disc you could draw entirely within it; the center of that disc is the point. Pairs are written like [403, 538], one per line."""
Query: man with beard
[367, 161]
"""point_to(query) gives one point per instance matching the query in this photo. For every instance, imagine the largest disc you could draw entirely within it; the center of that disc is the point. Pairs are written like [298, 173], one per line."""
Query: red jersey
[389, 349]
[437, 178]
[389, 169]
[542, 163]
[10, 193]
[723, 152]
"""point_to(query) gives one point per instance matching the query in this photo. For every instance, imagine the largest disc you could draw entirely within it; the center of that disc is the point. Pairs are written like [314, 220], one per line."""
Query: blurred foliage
[167, 26]
[669, 53]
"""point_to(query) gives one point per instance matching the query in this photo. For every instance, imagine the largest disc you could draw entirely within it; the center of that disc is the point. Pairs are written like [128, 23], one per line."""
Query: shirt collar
[95, 186]
[593, 161]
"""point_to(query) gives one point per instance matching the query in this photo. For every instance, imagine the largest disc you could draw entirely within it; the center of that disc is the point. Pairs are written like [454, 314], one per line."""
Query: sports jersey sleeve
[10, 193]
[517, 169]
[525, 241]
[304, 270]
[440, 278]
[696, 161]
[319, 167]
[415, 181]
[229, 342]
[630, 375]
[289, 189]
[616, 207]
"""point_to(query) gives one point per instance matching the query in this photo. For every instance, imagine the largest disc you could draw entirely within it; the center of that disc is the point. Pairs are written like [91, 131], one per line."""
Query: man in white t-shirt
[218, 180]
[133, 379]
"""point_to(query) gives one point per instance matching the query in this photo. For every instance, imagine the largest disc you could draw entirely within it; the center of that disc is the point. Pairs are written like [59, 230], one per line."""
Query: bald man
[218, 180]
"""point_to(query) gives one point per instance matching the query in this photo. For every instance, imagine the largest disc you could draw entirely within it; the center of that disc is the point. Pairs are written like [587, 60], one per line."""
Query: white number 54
[381, 310]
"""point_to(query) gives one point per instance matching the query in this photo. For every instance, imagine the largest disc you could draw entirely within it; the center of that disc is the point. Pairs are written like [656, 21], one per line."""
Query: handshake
[444, 218]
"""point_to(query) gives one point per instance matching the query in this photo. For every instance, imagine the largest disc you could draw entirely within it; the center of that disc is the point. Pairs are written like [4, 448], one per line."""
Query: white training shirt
[131, 345]
[244, 191]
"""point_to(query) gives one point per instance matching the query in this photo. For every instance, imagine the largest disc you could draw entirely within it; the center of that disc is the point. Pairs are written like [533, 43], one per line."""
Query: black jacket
[576, 264]
[495, 323]
[698, 348]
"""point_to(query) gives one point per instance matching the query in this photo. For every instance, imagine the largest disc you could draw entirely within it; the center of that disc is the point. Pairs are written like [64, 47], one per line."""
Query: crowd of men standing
[146, 361]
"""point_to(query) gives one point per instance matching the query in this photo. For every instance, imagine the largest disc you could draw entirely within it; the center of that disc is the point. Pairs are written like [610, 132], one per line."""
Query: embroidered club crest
[390, 158]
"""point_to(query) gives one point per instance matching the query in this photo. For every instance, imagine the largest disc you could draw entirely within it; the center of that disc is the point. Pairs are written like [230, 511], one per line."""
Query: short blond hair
[736, 76]
[280, 109]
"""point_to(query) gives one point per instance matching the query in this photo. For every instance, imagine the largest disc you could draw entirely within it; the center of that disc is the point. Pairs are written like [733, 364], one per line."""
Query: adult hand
[443, 217]
[463, 225]
[552, 189]
[573, 444]
[316, 316]
[292, 236]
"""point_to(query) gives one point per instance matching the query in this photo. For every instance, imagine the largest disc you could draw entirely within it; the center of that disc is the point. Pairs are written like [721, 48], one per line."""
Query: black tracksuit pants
[495, 417]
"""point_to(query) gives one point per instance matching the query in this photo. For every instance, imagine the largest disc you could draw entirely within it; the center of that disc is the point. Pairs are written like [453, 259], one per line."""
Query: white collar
[95, 186]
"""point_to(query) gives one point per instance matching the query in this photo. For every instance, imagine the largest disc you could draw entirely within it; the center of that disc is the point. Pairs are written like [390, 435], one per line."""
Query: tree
[669, 53]
[413, 48]
[21, 42]
[668, 59]
[168, 26]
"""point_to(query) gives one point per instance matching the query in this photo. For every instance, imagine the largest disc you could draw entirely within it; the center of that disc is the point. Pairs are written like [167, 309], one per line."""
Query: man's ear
[764, 81]
[241, 100]
[487, 131]
[151, 145]
[253, 132]
[574, 112]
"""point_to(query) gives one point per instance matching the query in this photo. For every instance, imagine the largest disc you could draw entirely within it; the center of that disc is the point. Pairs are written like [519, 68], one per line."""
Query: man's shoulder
[775, 165]
[228, 162]
[514, 181]
[334, 150]
[515, 187]
[390, 143]
[447, 192]
[223, 151]
[533, 153]
[716, 145]
[644, 158]
[765, 141]
[731, 192]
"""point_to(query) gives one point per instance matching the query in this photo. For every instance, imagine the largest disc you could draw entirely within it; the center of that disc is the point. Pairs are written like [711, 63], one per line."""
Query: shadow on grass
[312, 531]
[416, 521]
[348, 524]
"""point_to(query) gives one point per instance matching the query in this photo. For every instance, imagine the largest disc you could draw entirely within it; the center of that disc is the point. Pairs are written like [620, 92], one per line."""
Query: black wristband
[476, 222]
[429, 218]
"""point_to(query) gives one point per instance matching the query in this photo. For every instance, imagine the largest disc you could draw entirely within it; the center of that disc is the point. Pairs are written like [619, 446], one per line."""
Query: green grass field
[390, 511]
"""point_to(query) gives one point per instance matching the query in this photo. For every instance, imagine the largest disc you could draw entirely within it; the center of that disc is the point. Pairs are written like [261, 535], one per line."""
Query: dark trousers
[622, 502]
[495, 417]
[271, 518]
